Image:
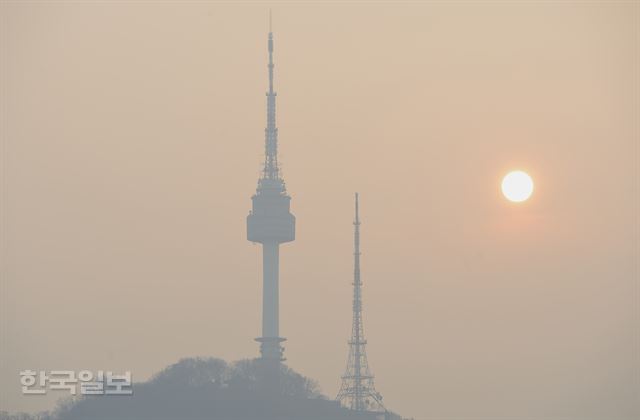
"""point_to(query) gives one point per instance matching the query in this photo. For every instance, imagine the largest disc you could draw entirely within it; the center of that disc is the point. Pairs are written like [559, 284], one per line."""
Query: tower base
[270, 348]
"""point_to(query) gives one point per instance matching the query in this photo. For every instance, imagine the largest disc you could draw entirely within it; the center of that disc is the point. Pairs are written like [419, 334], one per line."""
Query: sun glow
[517, 186]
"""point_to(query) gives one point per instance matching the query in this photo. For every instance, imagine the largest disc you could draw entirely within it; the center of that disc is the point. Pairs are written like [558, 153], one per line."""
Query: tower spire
[357, 391]
[271, 169]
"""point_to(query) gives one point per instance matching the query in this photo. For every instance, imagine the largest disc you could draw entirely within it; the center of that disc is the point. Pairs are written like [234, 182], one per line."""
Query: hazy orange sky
[132, 136]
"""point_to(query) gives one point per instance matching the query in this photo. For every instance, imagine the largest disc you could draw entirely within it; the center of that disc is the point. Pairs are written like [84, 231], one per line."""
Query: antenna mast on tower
[357, 391]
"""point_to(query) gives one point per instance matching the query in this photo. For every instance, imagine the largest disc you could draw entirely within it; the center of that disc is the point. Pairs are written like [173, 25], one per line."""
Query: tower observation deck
[271, 223]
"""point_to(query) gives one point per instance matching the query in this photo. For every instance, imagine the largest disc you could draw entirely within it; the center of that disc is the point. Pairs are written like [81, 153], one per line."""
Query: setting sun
[517, 186]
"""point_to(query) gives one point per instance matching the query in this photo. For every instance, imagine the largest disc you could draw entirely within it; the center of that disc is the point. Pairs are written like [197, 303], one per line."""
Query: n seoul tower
[271, 223]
